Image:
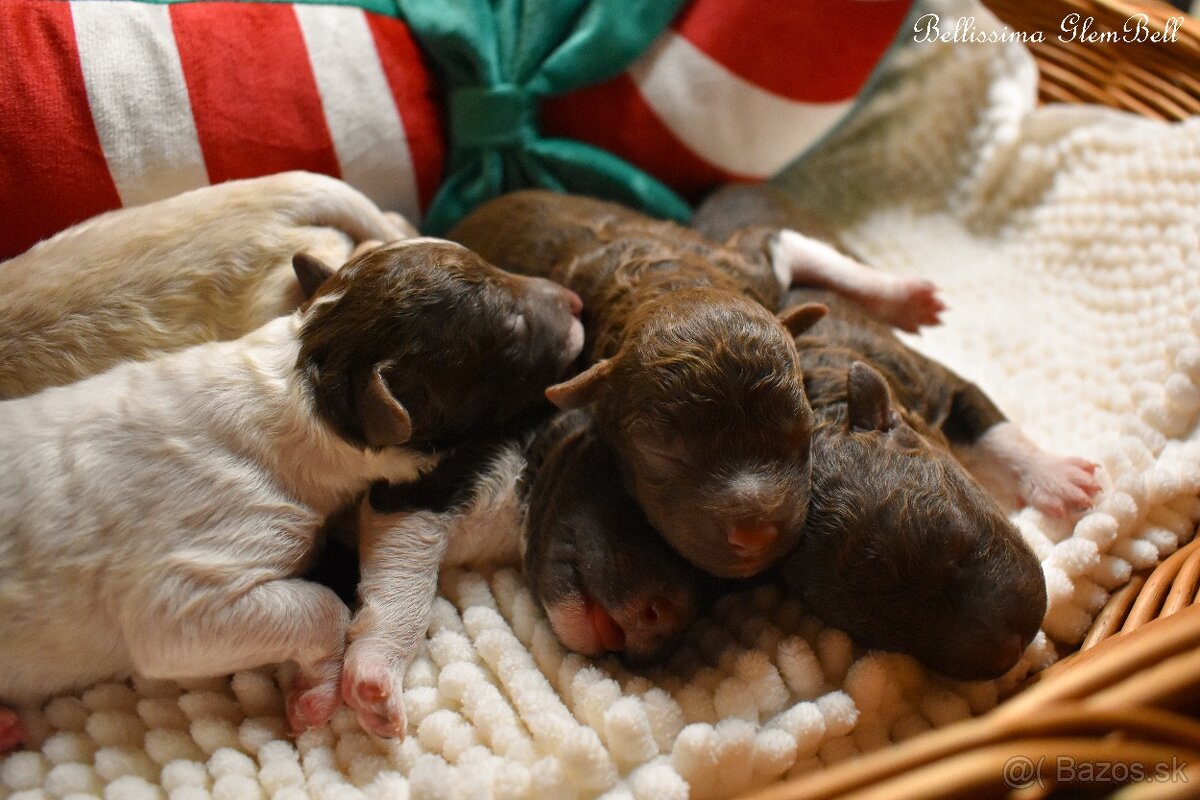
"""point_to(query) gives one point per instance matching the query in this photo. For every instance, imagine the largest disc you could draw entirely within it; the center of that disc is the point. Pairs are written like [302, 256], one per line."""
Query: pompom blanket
[1067, 243]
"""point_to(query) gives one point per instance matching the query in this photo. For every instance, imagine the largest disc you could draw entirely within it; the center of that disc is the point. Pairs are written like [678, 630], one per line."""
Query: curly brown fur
[695, 382]
[903, 549]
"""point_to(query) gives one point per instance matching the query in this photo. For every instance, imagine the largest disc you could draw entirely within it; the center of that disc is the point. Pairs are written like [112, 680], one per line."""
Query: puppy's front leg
[224, 632]
[907, 303]
[399, 556]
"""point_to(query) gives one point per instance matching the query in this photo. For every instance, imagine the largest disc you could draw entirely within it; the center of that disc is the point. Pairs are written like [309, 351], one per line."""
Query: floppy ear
[311, 272]
[868, 398]
[385, 423]
[799, 319]
[584, 389]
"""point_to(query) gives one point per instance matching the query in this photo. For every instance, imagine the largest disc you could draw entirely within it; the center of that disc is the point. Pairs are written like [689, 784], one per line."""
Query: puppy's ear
[582, 390]
[870, 402]
[385, 423]
[311, 272]
[799, 319]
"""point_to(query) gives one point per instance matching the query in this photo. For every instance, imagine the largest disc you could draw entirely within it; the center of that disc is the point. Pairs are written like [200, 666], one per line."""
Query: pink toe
[12, 732]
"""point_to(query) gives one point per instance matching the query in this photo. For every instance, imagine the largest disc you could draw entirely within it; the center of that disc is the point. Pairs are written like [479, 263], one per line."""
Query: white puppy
[210, 264]
[154, 518]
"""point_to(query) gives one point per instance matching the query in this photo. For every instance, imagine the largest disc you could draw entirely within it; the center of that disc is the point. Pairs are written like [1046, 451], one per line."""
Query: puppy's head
[604, 577]
[905, 551]
[423, 342]
[705, 407]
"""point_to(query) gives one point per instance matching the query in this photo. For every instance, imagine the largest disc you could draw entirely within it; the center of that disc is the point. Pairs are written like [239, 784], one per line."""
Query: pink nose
[573, 302]
[753, 540]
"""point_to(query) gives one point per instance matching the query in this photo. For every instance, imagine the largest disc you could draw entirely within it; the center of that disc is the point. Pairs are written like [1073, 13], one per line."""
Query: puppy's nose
[551, 293]
[574, 303]
[753, 539]
[657, 614]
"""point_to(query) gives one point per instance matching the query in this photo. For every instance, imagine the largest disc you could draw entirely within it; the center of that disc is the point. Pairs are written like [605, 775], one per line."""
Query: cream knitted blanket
[1067, 243]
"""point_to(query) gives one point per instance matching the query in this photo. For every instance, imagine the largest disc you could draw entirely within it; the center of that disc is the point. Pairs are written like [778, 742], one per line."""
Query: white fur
[210, 264]
[153, 518]
[400, 555]
[907, 303]
[1019, 473]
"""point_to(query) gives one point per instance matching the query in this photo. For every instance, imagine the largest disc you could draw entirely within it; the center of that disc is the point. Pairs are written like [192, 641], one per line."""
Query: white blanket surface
[1066, 241]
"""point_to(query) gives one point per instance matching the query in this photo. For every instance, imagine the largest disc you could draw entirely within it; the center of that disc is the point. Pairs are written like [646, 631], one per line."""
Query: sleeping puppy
[207, 265]
[604, 577]
[695, 383]
[550, 497]
[903, 549]
[998, 453]
[155, 518]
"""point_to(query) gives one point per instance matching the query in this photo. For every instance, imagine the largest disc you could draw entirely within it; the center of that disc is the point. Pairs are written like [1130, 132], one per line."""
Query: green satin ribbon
[496, 59]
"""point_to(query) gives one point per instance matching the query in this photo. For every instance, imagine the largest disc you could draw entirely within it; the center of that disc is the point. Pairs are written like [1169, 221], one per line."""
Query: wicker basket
[1130, 697]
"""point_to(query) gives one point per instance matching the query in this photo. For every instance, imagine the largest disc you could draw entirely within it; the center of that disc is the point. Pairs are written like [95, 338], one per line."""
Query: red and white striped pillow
[105, 104]
[734, 89]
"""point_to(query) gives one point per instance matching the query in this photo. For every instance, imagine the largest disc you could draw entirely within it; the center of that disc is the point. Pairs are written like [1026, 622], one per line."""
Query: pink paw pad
[12, 732]
[372, 689]
[310, 707]
[907, 303]
[1064, 485]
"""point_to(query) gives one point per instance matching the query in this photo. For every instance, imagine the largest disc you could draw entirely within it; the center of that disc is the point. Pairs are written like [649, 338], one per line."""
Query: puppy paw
[1057, 486]
[906, 303]
[12, 732]
[313, 698]
[373, 687]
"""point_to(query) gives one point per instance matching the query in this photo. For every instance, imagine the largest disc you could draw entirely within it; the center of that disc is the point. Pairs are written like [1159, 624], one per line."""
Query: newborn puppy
[155, 518]
[903, 549]
[210, 264]
[998, 453]
[547, 494]
[694, 382]
[605, 578]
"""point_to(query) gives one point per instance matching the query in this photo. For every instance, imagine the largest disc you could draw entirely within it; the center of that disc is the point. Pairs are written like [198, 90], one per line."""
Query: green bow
[496, 59]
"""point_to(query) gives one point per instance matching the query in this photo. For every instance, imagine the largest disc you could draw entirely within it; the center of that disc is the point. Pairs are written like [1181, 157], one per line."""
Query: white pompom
[628, 734]
[23, 770]
[839, 711]
[131, 787]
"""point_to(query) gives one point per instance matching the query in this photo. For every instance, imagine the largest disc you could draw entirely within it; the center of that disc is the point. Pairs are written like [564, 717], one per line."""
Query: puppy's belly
[55, 642]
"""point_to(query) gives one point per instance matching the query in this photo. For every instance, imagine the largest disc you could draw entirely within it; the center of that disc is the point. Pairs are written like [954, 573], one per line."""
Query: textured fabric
[734, 90]
[105, 104]
[496, 59]
[1066, 243]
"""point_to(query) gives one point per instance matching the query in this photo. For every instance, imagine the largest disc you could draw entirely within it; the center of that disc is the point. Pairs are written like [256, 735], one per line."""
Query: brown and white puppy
[156, 518]
[695, 383]
[207, 265]
[550, 496]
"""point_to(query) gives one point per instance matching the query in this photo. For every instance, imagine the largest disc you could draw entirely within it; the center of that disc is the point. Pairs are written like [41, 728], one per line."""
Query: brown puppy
[605, 578]
[997, 452]
[696, 385]
[903, 549]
